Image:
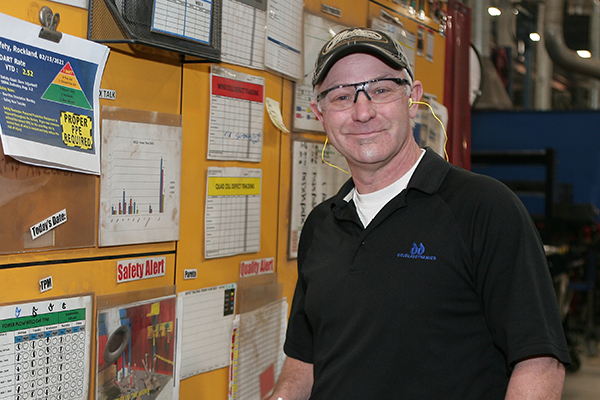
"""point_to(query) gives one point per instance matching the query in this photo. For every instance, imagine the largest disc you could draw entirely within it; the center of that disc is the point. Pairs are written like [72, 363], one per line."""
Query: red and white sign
[140, 268]
[257, 267]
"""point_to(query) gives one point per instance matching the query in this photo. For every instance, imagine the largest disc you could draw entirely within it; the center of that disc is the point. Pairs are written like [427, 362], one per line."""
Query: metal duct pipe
[543, 83]
[558, 50]
[595, 49]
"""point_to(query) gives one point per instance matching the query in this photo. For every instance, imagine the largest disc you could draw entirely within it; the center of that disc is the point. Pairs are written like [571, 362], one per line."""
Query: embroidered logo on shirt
[417, 252]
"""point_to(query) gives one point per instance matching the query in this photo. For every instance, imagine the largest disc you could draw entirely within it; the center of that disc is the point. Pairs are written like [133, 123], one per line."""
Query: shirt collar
[428, 177]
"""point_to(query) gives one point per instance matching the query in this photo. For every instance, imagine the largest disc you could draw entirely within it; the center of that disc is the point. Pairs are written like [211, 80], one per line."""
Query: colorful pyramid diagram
[65, 89]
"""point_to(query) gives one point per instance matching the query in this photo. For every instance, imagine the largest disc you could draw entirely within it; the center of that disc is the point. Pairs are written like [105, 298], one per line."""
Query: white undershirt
[368, 205]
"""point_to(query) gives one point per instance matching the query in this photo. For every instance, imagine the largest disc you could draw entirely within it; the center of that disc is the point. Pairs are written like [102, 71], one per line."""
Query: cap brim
[367, 48]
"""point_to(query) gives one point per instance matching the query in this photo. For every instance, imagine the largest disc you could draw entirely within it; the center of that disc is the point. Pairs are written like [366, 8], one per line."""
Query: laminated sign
[49, 97]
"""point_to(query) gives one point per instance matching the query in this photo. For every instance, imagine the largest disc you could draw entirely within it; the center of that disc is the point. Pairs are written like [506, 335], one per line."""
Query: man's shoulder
[436, 176]
[474, 197]
[474, 185]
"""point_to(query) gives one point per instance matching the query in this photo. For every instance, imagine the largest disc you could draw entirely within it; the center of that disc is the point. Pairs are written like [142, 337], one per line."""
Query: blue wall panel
[575, 136]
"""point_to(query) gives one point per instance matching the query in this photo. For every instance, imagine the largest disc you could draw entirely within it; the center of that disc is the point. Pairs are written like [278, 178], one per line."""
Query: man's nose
[363, 107]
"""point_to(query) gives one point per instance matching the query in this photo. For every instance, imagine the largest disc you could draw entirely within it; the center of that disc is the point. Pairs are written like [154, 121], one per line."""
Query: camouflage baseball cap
[360, 40]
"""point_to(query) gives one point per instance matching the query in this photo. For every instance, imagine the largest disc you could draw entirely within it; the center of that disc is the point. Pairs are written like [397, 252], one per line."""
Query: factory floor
[583, 384]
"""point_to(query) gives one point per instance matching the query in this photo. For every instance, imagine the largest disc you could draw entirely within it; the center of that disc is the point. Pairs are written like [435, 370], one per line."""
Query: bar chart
[144, 179]
[139, 183]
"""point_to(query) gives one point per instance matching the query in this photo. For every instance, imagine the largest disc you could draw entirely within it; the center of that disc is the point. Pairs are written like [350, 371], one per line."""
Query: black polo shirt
[443, 292]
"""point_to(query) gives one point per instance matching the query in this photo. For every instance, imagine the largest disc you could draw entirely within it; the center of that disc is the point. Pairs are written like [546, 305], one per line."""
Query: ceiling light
[535, 37]
[494, 11]
[584, 54]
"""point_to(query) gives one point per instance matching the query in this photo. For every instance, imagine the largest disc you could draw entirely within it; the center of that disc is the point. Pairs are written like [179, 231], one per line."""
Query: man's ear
[314, 107]
[415, 96]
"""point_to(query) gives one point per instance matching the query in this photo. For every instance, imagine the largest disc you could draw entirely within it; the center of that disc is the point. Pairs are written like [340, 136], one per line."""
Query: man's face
[368, 135]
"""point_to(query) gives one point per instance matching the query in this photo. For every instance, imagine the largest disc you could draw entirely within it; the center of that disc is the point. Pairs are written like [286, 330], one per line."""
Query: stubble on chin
[368, 147]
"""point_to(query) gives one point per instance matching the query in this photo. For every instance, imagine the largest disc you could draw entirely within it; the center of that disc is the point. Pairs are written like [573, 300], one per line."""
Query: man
[418, 280]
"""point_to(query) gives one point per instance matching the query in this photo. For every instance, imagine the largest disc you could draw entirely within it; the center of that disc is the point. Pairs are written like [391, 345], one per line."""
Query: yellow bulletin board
[71, 260]
[156, 81]
[190, 249]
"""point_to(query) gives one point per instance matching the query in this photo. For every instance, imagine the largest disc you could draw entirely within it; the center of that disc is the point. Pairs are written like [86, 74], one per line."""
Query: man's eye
[340, 97]
[382, 90]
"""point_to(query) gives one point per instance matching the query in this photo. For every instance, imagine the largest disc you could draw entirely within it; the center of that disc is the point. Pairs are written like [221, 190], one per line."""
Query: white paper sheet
[313, 181]
[232, 216]
[259, 356]
[140, 183]
[205, 317]
[186, 19]
[53, 335]
[317, 31]
[243, 32]
[428, 131]
[235, 130]
[74, 3]
[284, 37]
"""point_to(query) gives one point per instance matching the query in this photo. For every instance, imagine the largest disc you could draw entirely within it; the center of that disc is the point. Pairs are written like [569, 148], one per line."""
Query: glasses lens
[378, 91]
[340, 98]
[385, 91]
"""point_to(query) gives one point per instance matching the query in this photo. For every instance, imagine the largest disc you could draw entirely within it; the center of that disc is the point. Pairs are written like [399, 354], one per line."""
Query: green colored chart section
[65, 95]
[14, 324]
